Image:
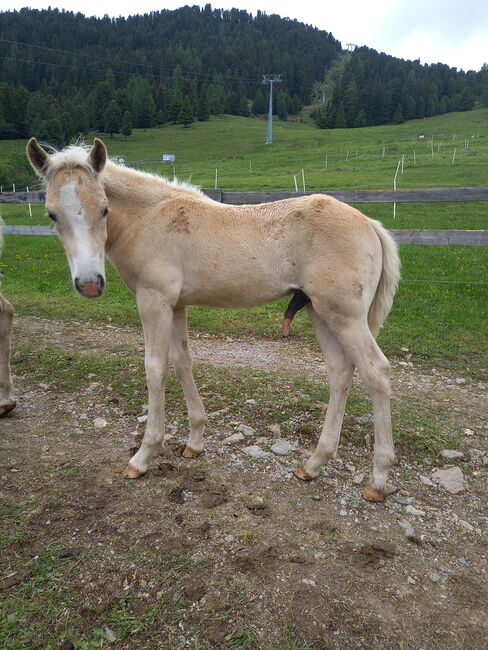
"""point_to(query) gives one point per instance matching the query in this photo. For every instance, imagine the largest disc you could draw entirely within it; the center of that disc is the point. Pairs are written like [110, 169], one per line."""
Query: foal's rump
[347, 258]
[348, 263]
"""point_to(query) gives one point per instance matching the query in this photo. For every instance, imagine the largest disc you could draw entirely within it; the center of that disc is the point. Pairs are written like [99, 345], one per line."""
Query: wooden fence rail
[428, 237]
[436, 195]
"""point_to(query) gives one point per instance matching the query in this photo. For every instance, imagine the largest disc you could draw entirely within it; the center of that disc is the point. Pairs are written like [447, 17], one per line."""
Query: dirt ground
[252, 557]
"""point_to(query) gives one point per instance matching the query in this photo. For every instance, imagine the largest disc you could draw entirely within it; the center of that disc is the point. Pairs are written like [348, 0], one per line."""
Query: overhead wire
[209, 77]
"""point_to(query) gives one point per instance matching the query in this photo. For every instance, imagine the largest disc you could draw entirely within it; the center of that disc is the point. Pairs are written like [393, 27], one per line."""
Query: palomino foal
[7, 401]
[173, 247]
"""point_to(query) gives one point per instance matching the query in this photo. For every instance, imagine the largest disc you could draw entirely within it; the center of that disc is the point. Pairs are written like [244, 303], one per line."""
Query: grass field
[440, 311]
[364, 158]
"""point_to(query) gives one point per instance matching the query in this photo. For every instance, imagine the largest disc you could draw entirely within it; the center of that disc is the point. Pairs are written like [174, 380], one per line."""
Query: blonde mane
[155, 182]
[76, 156]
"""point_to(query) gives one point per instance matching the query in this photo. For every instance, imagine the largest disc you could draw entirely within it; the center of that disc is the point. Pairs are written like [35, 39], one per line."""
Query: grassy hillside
[353, 157]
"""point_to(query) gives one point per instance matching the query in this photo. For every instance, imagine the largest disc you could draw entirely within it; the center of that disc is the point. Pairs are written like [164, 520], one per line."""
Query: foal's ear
[98, 155]
[38, 158]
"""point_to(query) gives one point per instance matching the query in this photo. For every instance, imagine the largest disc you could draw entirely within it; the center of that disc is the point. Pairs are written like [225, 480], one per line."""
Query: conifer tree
[203, 112]
[360, 119]
[175, 108]
[321, 118]
[244, 107]
[340, 121]
[126, 126]
[282, 105]
[113, 118]
[186, 114]
[398, 117]
[259, 103]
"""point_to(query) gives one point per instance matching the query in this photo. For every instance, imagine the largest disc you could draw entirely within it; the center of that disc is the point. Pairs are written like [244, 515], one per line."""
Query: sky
[454, 32]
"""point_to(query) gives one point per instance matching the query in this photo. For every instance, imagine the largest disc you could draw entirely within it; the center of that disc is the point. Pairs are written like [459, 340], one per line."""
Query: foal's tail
[387, 286]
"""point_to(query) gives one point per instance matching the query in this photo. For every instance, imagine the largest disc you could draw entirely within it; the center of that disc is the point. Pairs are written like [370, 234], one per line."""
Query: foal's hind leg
[7, 401]
[374, 370]
[180, 356]
[340, 371]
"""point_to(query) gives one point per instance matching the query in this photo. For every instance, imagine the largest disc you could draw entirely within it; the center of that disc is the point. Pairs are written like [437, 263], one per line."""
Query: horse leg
[374, 370]
[7, 402]
[180, 356]
[340, 371]
[157, 317]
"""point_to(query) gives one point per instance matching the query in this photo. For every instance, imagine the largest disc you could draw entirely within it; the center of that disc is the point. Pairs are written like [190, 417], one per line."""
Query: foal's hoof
[6, 408]
[188, 452]
[131, 472]
[370, 494]
[302, 474]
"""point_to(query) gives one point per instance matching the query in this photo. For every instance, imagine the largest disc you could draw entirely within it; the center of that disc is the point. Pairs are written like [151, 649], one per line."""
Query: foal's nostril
[77, 285]
[101, 282]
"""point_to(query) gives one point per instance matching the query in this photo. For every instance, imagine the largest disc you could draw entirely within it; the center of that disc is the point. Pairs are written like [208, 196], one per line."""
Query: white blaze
[85, 262]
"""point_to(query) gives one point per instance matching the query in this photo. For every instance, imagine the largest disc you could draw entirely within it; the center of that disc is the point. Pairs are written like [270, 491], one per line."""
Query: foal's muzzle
[91, 289]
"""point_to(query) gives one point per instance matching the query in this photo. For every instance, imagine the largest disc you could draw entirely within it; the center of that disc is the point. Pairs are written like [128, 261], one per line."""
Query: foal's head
[76, 202]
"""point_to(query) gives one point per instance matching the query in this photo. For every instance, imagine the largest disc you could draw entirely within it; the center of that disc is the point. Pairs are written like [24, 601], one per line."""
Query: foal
[7, 401]
[174, 247]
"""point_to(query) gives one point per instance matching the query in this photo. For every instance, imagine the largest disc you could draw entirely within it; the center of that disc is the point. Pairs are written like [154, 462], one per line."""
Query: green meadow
[440, 312]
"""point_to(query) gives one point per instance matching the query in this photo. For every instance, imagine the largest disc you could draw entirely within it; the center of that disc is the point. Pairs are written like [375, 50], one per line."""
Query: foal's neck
[130, 187]
[130, 193]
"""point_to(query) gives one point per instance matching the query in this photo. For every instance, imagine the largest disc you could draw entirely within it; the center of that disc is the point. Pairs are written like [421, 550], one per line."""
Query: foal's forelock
[69, 159]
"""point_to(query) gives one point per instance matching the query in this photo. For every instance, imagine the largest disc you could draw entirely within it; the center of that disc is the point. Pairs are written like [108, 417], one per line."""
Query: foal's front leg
[7, 401]
[157, 317]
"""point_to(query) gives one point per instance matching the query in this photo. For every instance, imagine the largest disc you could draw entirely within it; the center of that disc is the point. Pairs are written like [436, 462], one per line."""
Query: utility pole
[270, 79]
[323, 88]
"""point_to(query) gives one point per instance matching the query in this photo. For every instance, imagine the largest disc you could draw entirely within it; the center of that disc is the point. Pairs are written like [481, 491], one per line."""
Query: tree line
[369, 88]
[63, 73]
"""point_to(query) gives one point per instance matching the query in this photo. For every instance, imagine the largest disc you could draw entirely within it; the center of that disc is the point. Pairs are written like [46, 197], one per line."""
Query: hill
[64, 74]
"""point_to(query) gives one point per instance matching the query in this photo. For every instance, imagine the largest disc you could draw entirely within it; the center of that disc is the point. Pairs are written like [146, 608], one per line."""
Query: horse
[173, 247]
[7, 401]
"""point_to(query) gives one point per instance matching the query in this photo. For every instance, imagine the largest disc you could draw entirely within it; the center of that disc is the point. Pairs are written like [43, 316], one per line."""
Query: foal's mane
[76, 156]
[154, 183]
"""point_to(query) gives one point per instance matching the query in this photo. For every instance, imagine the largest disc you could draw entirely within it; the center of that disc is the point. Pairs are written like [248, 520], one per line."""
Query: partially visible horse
[7, 401]
[173, 247]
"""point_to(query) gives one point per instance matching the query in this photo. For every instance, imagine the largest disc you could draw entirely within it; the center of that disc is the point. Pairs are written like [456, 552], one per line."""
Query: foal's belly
[233, 297]
[241, 280]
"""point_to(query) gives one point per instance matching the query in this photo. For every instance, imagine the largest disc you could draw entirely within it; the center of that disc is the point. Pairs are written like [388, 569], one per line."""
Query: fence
[428, 237]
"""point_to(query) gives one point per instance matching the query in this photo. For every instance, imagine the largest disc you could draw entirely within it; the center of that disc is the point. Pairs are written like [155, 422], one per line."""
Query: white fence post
[394, 187]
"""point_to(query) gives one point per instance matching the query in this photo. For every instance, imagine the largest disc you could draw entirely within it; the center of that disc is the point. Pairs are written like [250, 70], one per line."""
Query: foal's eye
[105, 211]
[51, 215]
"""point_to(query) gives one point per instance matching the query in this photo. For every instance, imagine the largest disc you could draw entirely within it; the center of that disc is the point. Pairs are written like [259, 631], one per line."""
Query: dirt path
[230, 551]
[291, 355]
